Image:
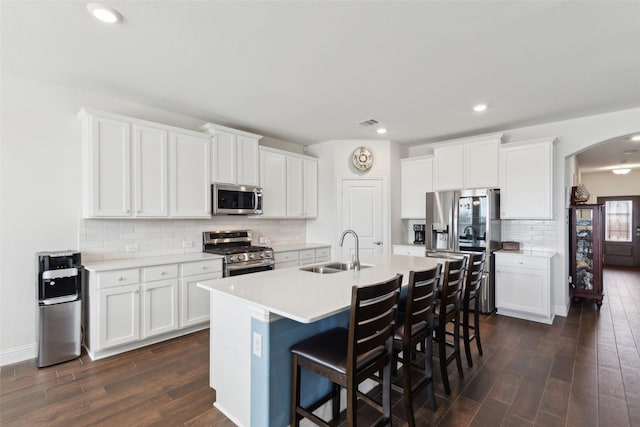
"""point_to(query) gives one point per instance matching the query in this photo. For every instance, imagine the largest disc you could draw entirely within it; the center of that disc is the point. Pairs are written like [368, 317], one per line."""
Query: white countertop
[307, 297]
[298, 246]
[539, 254]
[119, 264]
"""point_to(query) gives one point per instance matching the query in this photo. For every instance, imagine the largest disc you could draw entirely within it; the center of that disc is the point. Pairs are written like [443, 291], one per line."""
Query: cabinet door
[416, 181]
[448, 168]
[526, 173]
[160, 307]
[150, 171]
[110, 168]
[119, 315]
[522, 290]
[194, 300]
[190, 176]
[224, 158]
[273, 181]
[248, 160]
[295, 198]
[310, 190]
[481, 164]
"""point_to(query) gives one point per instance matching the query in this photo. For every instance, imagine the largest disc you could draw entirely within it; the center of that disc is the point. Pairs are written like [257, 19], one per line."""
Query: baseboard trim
[17, 354]
[562, 310]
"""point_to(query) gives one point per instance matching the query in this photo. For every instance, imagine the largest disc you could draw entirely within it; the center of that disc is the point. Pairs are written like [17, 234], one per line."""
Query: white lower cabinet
[523, 286]
[131, 308]
[412, 250]
[297, 257]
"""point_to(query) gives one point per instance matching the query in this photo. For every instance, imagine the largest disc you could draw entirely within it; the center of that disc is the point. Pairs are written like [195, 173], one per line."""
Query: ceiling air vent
[369, 122]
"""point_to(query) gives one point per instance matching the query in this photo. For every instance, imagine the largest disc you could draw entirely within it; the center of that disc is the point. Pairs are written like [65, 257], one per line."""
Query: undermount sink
[332, 267]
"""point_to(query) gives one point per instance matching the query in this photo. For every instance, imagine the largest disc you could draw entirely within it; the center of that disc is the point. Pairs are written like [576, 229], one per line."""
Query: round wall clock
[362, 158]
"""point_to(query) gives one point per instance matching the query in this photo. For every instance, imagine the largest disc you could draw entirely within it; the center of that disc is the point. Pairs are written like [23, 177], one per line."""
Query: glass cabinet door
[584, 249]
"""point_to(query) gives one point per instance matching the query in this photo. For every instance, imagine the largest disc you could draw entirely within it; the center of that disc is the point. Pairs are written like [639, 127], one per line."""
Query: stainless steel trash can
[59, 307]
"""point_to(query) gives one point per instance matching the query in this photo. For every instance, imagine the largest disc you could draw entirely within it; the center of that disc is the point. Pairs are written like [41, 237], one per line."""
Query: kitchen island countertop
[307, 297]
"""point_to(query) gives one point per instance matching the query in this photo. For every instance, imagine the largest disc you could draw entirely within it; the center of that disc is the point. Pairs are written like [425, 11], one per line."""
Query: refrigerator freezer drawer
[59, 333]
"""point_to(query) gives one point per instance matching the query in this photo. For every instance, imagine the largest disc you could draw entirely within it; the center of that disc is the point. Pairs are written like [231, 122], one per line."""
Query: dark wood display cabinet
[586, 230]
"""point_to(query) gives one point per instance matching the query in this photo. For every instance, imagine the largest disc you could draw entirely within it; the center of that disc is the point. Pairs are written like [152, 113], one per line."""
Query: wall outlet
[188, 243]
[257, 344]
[133, 248]
[263, 239]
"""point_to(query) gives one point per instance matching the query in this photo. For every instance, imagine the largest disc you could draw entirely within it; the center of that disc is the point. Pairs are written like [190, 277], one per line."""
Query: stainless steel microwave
[229, 199]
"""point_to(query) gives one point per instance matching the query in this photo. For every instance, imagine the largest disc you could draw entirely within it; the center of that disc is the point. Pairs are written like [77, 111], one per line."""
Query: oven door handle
[241, 266]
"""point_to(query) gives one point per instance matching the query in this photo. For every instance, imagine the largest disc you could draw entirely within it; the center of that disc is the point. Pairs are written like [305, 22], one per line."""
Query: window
[618, 220]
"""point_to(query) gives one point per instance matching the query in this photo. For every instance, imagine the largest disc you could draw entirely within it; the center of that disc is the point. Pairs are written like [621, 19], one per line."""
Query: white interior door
[364, 210]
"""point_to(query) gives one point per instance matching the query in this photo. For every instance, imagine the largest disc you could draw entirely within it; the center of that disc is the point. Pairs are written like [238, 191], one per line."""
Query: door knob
[377, 243]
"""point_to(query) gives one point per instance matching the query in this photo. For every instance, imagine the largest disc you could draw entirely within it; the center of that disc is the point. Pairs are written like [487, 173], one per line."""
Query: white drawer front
[522, 261]
[118, 278]
[286, 264]
[323, 253]
[160, 272]
[201, 267]
[307, 254]
[286, 256]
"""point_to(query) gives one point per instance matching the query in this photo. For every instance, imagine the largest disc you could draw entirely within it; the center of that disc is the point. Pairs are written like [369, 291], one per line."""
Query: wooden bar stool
[471, 303]
[448, 310]
[417, 328]
[348, 357]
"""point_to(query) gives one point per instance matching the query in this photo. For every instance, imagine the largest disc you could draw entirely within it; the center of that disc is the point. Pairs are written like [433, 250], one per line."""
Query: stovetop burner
[236, 247]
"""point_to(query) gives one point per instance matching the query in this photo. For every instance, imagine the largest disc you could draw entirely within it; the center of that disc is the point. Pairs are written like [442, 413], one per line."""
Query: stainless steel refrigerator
[463, 221]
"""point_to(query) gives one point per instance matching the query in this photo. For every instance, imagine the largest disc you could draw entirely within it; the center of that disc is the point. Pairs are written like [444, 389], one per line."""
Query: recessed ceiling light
[622, 171]
[104, 13]
[479, 108]
[635, 138]
[381, 131]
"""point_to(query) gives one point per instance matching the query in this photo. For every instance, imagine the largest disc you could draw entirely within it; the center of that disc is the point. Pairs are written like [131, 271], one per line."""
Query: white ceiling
[308, 71]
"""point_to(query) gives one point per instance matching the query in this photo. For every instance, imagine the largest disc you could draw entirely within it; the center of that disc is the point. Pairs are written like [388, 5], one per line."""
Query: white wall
[40, 192]
[608, 184]
[334, 163]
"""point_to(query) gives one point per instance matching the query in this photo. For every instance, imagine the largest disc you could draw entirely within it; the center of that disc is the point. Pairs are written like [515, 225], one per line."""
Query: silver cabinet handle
[136, 291]
[204, 267]
[163, 273]
[377, 243]
[120, 279]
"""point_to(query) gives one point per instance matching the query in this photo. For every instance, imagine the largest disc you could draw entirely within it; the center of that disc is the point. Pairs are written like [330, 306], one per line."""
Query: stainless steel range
[240, 256]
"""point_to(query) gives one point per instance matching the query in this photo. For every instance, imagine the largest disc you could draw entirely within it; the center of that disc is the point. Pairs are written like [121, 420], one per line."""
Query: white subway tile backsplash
[107, 239]
[532, 234]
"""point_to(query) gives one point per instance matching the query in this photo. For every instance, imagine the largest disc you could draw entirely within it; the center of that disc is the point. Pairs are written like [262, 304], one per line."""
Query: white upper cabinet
[448, 168]
[106, 167]
[289, 184]
[130, 170]
[190, 184]
[234, 155]
[526, 179]
[416, 180]
[273, 180]
[473, 163]
[150, 171]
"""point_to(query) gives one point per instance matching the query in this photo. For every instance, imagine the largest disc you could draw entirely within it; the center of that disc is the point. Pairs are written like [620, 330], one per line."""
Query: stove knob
[251, 256]
[232, 258]
[262, 256]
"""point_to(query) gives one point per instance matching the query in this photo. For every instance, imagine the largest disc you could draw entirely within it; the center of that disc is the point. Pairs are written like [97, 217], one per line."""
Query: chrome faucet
[356, 258]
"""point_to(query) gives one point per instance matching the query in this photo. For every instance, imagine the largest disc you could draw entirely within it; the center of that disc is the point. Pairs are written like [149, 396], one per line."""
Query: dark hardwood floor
[584, 370]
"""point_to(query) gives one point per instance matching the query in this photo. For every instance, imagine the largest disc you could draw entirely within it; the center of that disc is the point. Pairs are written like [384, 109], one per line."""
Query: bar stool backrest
[421, 297]
[372, 323]
[451, 293]
[473, 280]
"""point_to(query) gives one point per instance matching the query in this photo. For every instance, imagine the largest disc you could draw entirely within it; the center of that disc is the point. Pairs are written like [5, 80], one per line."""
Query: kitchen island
[255, 318]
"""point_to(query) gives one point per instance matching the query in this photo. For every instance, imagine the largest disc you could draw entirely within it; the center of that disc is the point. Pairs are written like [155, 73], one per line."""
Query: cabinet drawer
[160, 272]
[201, 267]
[286, 264]
[285, 256]
[307, 254]
[118, 278]
[522, 261]
[323, 253]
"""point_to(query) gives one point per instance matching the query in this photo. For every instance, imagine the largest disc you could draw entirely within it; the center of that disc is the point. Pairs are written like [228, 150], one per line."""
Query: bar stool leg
[336, 403]
[466, 337]
[406, 385]
[476, 325]
[386, 393]
[428, 371]
[295, 391]
[456, 345]
[442, 351]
